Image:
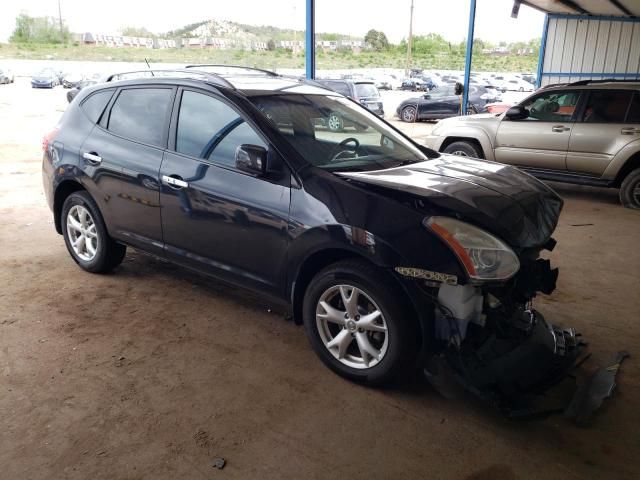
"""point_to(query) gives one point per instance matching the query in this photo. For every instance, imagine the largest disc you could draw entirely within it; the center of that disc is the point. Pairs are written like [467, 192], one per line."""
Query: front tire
[408, 114]
[358, 325]
[86, 237]
[630, 190]
[463, 149]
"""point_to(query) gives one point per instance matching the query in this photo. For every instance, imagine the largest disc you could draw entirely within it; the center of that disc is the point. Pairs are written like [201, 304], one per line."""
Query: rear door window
[95, 104]
[366, 90]
[340, 87]
[607, 106]
[141, 114]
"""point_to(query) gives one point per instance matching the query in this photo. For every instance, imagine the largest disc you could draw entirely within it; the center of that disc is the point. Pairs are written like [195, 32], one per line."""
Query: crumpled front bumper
[542, 374]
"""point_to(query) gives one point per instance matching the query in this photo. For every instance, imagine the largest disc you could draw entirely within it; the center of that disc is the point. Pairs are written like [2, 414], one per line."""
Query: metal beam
[310, 40]
[621, 7]
[574, 6]
[543, 46]
[469, 56]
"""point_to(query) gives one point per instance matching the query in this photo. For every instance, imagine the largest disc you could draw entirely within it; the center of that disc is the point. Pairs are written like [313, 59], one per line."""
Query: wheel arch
[449, 140]
[63, 190]
[327, 256]
[632, 163]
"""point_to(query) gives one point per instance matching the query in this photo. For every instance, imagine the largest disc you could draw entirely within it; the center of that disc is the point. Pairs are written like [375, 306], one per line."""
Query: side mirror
[517, 112]
[251, 159]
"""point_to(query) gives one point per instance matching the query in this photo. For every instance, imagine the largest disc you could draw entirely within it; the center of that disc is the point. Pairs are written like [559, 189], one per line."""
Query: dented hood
[502, 199]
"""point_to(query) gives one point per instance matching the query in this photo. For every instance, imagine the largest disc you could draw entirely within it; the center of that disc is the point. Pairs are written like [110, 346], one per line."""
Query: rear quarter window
[95, 104]
[340, 87]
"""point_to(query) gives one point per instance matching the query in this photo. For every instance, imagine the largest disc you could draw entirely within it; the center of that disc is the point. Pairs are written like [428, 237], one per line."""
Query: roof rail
[604, 80]
[213, 77]
[237, 67]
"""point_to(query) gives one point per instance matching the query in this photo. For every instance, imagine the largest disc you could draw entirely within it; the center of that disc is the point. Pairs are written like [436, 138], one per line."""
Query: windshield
[366, 90]
[336, 134]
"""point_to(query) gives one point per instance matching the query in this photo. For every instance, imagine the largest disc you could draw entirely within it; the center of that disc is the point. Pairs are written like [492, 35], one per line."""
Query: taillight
[46, 140]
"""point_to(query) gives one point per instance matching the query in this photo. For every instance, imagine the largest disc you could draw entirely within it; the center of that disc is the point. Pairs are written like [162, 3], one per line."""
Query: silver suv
[585, 132]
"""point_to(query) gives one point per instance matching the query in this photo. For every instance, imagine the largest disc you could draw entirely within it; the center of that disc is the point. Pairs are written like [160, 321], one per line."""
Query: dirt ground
[152, 372]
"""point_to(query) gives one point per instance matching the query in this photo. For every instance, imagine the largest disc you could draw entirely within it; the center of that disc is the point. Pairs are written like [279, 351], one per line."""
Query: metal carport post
[469, 56]
[310, 40]
[310, 48]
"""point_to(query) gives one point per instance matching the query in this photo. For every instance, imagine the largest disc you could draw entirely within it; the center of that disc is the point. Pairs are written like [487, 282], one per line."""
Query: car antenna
[147, 62]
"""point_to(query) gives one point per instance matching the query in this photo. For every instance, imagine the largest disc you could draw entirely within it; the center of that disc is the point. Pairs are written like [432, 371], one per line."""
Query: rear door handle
[630, 131]
[560, 128]
[92, 157]
[174, 181]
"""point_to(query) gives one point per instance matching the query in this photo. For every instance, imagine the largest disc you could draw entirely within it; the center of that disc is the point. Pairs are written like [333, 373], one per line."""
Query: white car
[516, 84]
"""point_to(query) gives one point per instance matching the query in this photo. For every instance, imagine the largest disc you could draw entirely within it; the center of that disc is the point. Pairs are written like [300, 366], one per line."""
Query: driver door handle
[630, 131]
[560, 128]
[174, 181]
[92, 157]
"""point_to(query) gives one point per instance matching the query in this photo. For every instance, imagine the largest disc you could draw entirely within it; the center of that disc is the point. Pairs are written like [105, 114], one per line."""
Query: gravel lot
[152, 371]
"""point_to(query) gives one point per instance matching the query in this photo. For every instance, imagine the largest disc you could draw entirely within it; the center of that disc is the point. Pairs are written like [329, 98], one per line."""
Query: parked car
[586, 132]
[498, 107]
[386, 251]
[46, 78]
[516, 85]
[362, 91]
[528, 77]
[6, 76]
[87, 81]
[442, 103]
[72, 80]
[429, 82]
[414, 85]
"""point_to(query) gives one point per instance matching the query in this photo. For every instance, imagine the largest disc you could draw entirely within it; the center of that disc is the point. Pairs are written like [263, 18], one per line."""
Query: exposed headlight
[484, 256]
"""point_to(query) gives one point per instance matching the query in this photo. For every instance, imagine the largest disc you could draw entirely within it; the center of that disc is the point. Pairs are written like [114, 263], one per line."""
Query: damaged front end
[486, 334]
[497, 345]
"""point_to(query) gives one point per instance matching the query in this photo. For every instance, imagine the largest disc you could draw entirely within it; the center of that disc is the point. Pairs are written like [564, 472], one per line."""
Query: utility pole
[60, 18]
[410, 41]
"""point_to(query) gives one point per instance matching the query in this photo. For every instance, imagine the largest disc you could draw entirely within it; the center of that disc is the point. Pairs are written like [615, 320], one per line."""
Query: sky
[355, 17]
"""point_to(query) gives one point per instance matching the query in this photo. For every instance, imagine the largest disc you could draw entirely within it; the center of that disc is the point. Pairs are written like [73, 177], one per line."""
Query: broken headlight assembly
[484, 256]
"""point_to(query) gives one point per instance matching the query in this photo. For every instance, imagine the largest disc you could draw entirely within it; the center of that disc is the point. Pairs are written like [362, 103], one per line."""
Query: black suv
[364, 92]
[389, 253]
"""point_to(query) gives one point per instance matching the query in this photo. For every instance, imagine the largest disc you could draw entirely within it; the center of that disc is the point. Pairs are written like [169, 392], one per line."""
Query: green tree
[38, 30]
[271, 45]
[377, 40]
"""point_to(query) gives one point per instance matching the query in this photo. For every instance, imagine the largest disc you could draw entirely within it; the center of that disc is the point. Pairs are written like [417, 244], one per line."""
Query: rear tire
[335, 122]
[463, 148]
[86, 236]
[630, 190]
[391, 337]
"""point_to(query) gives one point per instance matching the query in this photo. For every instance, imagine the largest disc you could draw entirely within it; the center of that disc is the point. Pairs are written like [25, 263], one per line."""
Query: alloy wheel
[334, 122]
[636, 193]
[409, 114]
[351, 326]
[83, 235]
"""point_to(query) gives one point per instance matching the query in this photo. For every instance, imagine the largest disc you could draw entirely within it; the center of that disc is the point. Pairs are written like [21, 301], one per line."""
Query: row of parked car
[50, 78]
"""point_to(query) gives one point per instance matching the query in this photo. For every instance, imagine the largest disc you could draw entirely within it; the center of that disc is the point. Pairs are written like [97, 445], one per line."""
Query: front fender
[475, 133]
